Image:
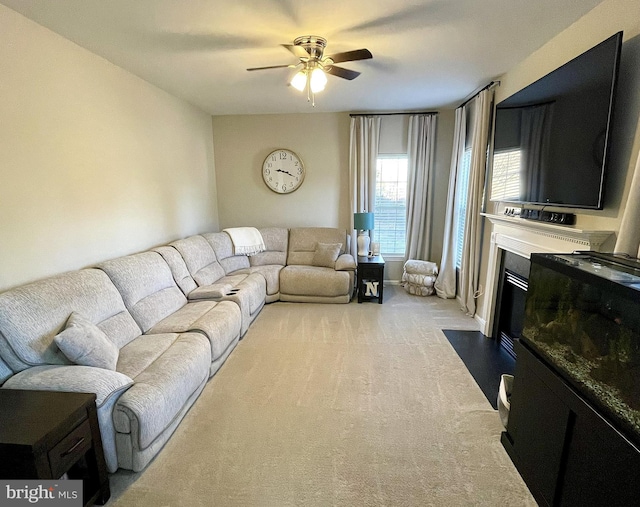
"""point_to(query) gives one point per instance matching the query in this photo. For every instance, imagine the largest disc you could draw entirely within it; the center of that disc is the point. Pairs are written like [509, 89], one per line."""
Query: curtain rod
[475, 94]
[394, 114]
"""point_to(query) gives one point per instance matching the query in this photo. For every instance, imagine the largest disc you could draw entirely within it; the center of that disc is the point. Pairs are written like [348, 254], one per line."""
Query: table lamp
[363, 222]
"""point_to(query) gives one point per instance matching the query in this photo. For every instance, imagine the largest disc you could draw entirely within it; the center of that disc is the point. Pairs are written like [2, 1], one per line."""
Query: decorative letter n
[372, 289]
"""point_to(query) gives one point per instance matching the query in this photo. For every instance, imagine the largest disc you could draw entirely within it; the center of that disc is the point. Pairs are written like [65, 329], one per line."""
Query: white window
[391, 205]
[461, 202]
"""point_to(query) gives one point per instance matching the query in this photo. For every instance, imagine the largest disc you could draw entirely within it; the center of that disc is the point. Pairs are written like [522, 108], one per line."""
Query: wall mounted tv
[551, 140]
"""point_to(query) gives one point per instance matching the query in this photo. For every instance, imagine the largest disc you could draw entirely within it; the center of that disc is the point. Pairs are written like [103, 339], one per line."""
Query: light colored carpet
[346, 405]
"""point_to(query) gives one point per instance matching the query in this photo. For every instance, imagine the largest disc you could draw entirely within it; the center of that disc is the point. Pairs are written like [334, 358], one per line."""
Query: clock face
[283, 171]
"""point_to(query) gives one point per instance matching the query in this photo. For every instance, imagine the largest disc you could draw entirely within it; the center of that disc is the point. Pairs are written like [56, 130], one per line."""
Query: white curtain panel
[628, 241]
[363, 154]
[472, 242]
[446, 282]
[422, 133]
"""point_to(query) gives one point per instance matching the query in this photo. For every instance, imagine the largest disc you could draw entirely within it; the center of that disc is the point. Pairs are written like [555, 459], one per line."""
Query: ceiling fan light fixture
[318, 80]
[314, 66]
[299, 81]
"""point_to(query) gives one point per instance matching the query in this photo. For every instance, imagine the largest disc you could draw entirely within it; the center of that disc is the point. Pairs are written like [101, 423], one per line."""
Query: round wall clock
[283, 171]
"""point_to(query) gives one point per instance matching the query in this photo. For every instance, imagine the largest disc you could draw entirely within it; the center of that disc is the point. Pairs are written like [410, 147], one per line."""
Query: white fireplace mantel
[524, 237]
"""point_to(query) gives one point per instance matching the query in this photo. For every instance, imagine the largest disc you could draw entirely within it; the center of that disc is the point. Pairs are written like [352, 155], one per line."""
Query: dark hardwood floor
[485, 359]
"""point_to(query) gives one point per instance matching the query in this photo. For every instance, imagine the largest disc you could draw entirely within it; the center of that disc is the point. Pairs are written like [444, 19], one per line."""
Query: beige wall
[603, 21]
[322, 141]
[94, 162]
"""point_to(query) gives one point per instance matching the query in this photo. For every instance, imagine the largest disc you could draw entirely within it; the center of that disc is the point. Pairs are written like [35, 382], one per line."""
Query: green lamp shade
[363, 221]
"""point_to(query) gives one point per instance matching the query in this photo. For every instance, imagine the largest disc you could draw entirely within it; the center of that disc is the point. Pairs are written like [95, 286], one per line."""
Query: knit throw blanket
[246, 240]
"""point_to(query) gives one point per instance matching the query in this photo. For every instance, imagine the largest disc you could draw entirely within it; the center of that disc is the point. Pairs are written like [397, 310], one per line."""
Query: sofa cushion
[138, 355]
[162, 389]
[276, 241]
[5, 371]
[326, 254]
[85, 344]
[303, 240]
[178, 268]
[314, 281]
[181, 320]
[31, 315]
[219, 321]
[271, 274]
[200, 259]
[147, 287]
[223, 247]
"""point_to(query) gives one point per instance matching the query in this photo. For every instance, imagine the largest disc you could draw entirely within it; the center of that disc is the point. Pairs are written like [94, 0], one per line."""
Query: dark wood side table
[370, 278]
[45, 434]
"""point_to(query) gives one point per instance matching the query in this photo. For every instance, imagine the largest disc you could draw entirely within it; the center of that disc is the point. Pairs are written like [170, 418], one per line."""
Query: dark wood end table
[370, 279]
[46, 434]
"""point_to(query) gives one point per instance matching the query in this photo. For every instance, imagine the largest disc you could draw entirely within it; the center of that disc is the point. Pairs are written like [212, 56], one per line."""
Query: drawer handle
[73, 448]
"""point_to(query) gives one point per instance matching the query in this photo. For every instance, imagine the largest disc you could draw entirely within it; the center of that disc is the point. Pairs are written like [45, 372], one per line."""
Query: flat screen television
[552, 138]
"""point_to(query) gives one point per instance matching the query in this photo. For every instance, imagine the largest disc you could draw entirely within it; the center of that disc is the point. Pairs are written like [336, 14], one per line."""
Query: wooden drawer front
[371, 271]
[70, 449]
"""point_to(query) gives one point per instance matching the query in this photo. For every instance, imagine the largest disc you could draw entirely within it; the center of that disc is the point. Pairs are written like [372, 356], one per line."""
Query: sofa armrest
[345, 262]
[105, 384]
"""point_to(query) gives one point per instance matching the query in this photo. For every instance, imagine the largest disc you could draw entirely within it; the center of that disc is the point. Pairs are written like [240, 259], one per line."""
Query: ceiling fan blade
[299, 51]
[272, 67]
[351, 56]
[342, 72]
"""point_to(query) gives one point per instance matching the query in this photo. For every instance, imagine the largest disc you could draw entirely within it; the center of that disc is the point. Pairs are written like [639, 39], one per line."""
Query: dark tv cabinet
[565, 449]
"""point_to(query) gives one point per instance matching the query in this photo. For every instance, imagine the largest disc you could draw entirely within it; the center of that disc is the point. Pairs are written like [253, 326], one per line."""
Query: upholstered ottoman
[419, 277]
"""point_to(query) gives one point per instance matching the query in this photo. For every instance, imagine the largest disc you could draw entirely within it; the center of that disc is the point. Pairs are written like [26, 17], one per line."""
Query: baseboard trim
[480, 320]
[483, 324]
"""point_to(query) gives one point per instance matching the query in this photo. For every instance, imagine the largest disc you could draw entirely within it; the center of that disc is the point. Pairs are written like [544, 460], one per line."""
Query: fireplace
[512, 291]
[513, 240]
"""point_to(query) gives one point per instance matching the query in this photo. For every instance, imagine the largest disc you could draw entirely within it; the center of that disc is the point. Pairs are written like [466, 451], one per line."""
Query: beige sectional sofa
[146, 331]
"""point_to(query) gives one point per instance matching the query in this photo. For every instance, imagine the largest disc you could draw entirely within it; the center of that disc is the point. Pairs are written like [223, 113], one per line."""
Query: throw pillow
[86, 344]
[326, 254]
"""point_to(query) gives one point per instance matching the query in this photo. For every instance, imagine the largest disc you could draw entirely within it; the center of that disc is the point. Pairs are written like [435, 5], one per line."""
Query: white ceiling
[427, 54]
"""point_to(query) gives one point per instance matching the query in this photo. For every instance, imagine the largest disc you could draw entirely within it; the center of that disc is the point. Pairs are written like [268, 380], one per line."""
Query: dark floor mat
[485, 359]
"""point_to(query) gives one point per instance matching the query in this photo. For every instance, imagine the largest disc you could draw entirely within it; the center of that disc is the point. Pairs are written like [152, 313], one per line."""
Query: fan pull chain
[311, 97]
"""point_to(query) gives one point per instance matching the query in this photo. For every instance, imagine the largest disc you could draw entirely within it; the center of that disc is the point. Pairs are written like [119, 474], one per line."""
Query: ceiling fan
[313, 65]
